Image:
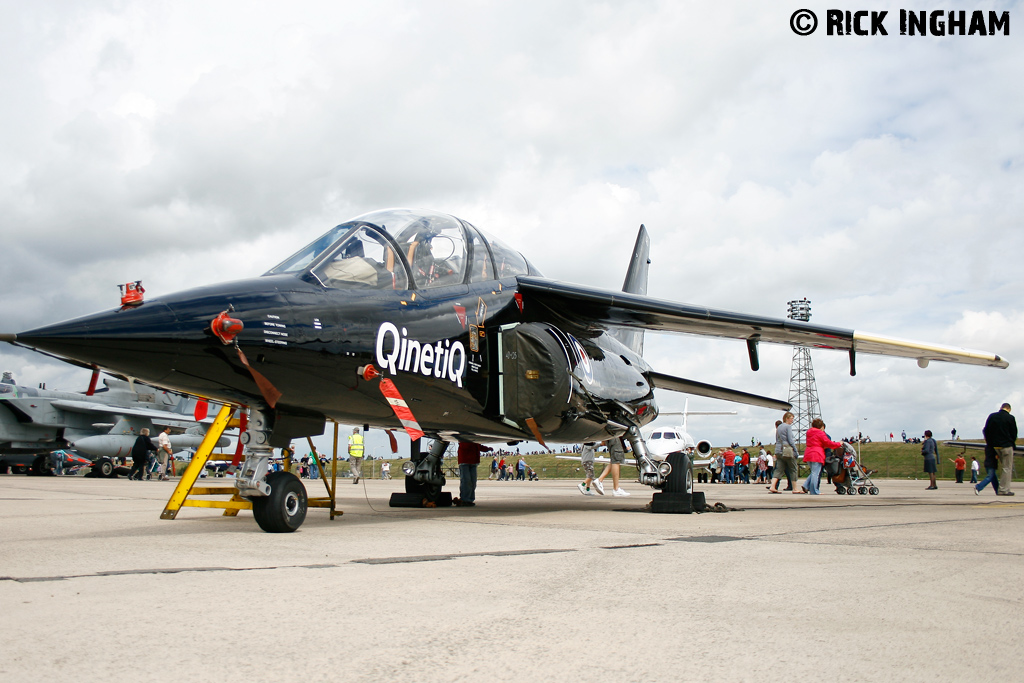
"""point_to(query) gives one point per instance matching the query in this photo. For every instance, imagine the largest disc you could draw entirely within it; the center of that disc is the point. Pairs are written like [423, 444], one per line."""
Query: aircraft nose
[135, 341]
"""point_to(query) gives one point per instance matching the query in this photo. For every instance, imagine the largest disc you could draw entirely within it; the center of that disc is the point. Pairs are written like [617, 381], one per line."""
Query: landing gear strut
[650, 473]
[672, 478]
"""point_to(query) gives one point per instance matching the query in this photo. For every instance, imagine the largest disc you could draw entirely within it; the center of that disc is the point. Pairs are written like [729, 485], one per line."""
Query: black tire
[413, 486]
[41, 466]
[284, 510]
[678, 480]
[863, 490]
[105, 467]
[851, 491]
[19, 469]
[873, 490]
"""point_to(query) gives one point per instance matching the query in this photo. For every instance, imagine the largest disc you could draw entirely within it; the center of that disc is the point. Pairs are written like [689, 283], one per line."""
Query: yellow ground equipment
[183, 495]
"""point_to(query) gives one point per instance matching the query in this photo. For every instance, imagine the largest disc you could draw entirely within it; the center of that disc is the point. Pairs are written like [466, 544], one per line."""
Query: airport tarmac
[536, 583]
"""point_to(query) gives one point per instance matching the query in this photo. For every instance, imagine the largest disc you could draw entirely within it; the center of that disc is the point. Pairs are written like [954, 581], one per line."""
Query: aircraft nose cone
[136, 341]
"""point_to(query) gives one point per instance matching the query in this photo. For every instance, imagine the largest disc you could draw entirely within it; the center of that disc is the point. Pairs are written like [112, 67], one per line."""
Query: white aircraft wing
[629, 461]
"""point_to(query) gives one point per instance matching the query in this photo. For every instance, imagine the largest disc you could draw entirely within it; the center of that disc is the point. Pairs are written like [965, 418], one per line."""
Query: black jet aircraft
[418, 320]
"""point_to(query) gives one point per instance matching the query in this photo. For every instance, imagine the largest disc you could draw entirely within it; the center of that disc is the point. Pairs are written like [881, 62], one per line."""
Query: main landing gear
[424, 480]
[672, 478]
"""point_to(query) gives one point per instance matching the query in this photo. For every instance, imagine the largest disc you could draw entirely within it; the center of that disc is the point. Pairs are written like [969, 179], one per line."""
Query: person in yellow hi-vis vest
[355, 454]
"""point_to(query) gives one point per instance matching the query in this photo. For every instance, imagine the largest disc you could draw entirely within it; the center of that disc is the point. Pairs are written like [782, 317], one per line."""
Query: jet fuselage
[467, 358]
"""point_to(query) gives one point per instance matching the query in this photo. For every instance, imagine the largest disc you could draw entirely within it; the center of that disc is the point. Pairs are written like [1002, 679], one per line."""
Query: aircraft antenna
[803, 390]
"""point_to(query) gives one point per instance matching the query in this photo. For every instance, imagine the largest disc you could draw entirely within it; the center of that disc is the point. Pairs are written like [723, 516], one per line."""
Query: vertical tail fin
[636, 283]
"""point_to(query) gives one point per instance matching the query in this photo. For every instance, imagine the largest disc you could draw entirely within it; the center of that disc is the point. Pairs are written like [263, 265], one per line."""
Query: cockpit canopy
[404, 249]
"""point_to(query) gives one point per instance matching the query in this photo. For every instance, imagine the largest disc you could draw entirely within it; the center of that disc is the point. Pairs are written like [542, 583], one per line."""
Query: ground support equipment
[186, 490]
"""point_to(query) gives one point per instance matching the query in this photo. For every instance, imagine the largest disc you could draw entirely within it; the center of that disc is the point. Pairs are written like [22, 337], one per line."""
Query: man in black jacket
[1001, 435]
[140, 454]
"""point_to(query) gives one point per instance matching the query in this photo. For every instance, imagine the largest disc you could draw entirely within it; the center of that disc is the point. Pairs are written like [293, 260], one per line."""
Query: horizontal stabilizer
[688, 386]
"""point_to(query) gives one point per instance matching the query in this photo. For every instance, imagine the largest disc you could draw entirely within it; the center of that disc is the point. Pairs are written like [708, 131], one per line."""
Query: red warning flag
[243, 424]
[401, 408]
[269, 391]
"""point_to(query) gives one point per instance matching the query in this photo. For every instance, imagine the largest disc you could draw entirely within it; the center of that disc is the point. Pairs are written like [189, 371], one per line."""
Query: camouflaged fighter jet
[418, 320]
[100, 423]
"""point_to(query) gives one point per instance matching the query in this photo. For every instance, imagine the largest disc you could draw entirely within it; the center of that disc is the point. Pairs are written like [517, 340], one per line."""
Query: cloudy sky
[192, 142]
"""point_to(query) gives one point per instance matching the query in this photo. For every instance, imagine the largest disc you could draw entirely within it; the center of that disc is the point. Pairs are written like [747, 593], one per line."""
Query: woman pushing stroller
[814, 454]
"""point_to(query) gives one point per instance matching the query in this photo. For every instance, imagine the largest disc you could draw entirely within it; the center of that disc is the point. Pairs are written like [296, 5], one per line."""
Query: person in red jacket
[729, 471]
[960, 464]
[814, 454]
[469, 458]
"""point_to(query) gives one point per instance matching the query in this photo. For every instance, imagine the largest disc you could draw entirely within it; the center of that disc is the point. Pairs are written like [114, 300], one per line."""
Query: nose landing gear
[279, 501]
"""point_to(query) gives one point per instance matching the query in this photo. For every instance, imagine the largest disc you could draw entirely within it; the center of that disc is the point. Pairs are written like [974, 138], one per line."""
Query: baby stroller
[847, 474]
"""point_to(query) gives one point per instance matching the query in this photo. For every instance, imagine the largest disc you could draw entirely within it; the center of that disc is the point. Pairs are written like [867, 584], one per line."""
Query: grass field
[898, 460]
[892, 460]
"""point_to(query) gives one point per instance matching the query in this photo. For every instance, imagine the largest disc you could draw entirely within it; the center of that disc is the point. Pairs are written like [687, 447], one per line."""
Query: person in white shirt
[587, 462]
[163, 452]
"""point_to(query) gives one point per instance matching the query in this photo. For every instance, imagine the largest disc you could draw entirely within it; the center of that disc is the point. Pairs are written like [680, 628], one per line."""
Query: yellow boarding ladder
[186, 488]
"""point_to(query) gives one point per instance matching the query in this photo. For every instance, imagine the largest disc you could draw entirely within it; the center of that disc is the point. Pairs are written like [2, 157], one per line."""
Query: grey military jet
[101, 423]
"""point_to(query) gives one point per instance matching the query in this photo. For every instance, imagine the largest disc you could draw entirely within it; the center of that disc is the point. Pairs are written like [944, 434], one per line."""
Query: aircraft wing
[90, 407]
[977, 446]
[588, 307]
[629, 461]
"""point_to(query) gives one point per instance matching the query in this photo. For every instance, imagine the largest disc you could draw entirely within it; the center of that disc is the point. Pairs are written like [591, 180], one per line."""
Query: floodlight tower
[803, 391]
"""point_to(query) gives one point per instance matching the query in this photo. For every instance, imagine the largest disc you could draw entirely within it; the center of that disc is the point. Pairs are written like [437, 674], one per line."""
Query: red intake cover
[226, 328]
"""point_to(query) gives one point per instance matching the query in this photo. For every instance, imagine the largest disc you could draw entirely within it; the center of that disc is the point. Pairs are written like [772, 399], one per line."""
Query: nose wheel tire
[284, 510]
